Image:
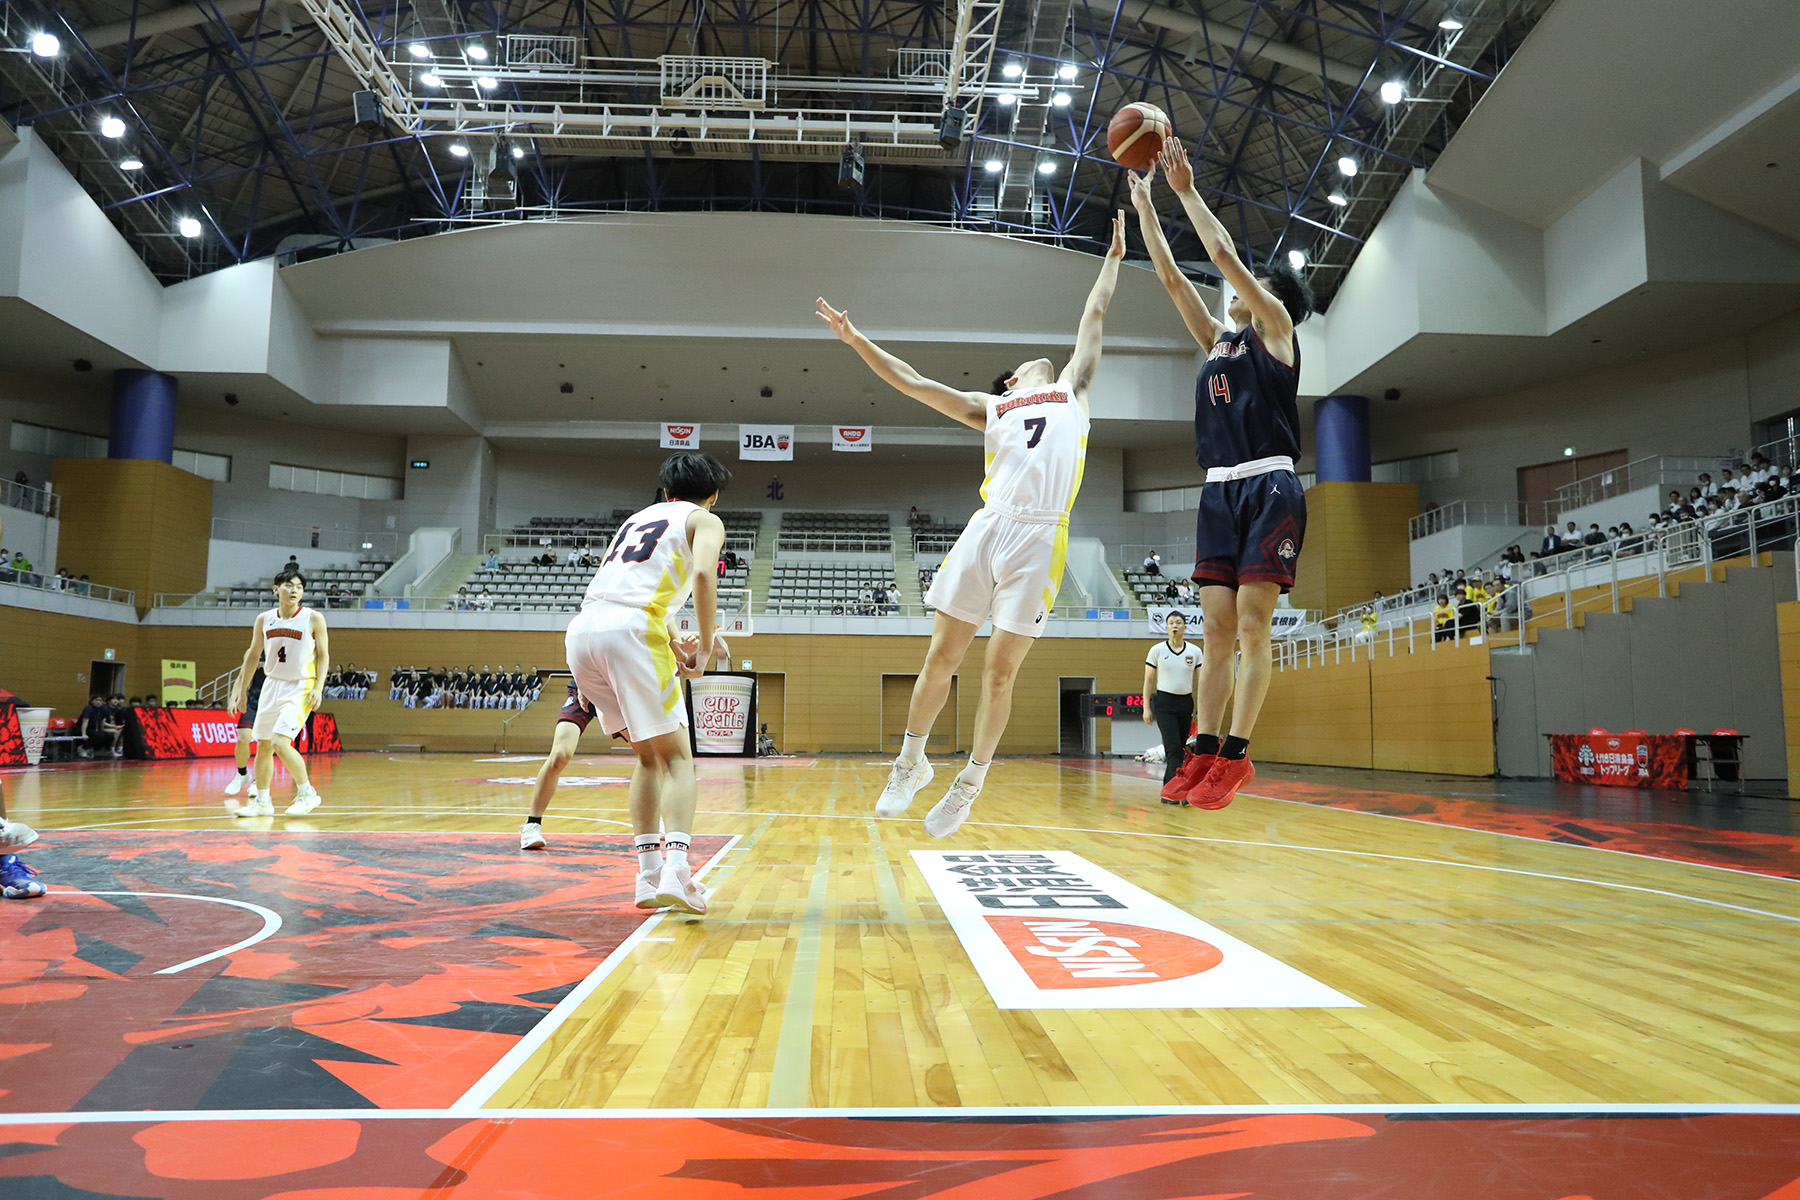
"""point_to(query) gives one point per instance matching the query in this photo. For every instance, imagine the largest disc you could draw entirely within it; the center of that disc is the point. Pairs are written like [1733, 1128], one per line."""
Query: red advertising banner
[212, 733]
[1643, 760]
[12, 742]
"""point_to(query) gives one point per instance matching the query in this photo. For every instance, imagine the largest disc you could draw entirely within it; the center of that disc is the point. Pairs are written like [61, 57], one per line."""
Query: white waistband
[1031, 516]
[1261, 466]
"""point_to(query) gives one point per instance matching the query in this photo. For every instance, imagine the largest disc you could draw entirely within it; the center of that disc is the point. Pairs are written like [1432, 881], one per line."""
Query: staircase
[906, 565]
[762, 567]
[451, 574]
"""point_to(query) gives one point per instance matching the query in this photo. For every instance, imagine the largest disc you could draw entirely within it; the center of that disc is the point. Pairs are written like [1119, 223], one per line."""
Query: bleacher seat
[802, 586]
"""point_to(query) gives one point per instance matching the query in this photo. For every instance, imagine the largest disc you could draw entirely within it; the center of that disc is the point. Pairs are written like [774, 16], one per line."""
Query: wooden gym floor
[1416, 987]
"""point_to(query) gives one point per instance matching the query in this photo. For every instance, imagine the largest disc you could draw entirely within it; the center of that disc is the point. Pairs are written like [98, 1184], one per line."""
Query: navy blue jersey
[1245, 403]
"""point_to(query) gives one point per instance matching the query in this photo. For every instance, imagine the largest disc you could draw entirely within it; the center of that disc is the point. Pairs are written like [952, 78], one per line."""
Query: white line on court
[271, 921]
[1488, 1111]
[497, 1075]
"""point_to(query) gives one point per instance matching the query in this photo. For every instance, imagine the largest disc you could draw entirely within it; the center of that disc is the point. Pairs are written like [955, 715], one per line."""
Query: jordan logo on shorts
[1274, 491]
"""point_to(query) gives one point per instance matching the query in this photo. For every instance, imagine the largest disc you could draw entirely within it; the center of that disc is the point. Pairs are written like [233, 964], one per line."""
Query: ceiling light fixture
[431, 79]
[476, 51]
[1297, 259]
[1393, 92]
[487, 83]
[189, 227]
[131, 164]
[1005, 99]
[1339, 199]
[993, 166]
[46, 45]
[1450, 23]
[112, 127]
[1013, 70]
[518, 152]
[1066, 71]
[1347, 166]
[459, 150]
[1046, 167]
[1061, 99]
[419, 50]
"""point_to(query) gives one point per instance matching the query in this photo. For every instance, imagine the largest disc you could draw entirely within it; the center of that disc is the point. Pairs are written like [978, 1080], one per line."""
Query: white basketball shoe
[948, 814]
[904, 782]
[257, 805]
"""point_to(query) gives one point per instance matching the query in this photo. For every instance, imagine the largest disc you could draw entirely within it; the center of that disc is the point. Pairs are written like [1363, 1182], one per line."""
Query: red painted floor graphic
[1762, 853]
[405, 965]
[1302, 1156]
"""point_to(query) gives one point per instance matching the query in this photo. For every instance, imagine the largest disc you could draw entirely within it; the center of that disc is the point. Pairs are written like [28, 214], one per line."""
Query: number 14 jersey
[1036, 442]
[649, 564]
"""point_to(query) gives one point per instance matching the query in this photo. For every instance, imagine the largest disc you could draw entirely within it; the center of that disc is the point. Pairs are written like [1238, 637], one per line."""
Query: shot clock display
[1113, 704]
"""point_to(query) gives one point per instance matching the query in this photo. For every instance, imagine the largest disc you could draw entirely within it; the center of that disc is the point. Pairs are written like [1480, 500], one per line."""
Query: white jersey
[288, 645]
[650, 564]
[1036, 441]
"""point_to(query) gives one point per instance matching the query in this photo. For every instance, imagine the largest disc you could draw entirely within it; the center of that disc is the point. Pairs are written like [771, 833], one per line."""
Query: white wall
[1462, 545]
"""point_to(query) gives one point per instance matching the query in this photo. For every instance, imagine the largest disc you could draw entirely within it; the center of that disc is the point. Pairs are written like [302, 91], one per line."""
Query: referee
[1169, 675]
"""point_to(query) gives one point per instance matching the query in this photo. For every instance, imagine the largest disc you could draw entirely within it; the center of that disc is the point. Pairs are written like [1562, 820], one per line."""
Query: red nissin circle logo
[1073, 953]
[852, 435]
[681, 431]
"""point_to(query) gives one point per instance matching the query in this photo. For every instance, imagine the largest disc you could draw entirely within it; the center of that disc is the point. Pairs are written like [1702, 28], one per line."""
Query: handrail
[814, 542]
[1481, 512]
[370, 546]
[26, 498]
[1653, 470]
[62, 583]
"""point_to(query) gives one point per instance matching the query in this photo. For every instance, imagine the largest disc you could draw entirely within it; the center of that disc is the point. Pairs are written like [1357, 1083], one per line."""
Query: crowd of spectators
[448, 687]
[348, 683]
[876, 598]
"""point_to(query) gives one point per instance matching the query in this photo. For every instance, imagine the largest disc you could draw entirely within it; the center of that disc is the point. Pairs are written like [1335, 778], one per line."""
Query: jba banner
[766, 443]
[722, 714]
[1283, 622]
[177, 681]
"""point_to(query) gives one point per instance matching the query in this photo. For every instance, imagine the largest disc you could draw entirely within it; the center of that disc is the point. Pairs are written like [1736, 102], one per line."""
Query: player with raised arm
[1252, 516]
[628, 667]
[1008, 563]
[296, 651]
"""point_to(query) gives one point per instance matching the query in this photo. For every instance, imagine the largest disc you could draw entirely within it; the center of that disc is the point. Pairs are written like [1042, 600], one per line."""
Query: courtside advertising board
[1049, 929]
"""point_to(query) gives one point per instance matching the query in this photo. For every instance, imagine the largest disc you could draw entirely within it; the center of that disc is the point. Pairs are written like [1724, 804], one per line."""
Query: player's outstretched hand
[686, 645]
[1116, 251]
[1142, 197]
[689, 667]
[839, 321]
[1175, 165]
[720, 647]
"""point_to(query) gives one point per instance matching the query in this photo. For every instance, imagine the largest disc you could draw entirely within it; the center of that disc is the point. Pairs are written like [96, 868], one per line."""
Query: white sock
[649, 851]
[975, 773]
[912, 750]
[675, 847]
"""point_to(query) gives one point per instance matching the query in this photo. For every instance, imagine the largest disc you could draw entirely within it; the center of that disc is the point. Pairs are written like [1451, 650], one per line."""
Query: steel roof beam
[182, 16]
[1253, 46]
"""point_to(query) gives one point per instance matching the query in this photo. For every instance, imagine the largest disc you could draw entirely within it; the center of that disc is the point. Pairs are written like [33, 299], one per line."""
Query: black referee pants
[1174, 714]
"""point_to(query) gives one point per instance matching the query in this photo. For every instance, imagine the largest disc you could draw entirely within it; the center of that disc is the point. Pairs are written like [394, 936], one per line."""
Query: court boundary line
[508, 1065]
[1680, 862]
[502, 1115]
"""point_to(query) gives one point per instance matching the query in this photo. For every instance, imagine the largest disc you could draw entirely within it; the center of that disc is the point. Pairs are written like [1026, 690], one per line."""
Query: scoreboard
[1112, 704]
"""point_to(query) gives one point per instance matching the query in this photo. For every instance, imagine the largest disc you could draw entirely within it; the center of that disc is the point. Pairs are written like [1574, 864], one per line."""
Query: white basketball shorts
[281, 710]
[624, 667]
[1002, 568]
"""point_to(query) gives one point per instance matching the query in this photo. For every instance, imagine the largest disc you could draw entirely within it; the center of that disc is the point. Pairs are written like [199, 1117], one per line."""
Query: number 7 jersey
[649, 564]
[1036, 442]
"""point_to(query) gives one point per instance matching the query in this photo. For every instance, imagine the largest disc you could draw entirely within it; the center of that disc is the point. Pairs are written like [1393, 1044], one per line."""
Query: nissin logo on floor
[1049, 929]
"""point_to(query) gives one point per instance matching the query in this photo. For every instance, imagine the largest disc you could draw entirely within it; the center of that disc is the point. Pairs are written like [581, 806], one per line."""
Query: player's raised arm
[706, 534]
[1272, 320]
[1194, 314]
[235, 702]
[968, 407]
[1086, 359]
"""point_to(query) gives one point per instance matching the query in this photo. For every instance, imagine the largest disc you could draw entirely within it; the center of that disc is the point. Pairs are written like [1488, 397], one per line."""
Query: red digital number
[1109, 710]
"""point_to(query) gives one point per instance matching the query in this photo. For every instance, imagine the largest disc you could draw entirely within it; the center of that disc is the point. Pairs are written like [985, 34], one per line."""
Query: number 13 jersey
[1036, 442]
[649, 564]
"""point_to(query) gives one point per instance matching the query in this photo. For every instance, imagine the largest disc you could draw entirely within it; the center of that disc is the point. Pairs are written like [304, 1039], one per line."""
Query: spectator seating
[801, 586]
[741, 526]
[933, 539]
[850, 531]
[352, 584]
[525, 588]
[1147, 589]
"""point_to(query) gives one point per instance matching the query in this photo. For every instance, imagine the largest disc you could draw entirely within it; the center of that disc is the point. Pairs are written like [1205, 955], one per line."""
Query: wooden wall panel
[134, 523]
[1317, 715]
[44, 657]
[1787, 617]
[1357, 543]
[1431, 710]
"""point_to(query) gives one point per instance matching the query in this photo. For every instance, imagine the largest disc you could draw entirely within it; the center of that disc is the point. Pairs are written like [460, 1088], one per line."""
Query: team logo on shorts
[1040, 618]
[1287, 548]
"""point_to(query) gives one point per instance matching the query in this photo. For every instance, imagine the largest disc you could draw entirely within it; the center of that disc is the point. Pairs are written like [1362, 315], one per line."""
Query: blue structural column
[1341, 439]
[143, 416]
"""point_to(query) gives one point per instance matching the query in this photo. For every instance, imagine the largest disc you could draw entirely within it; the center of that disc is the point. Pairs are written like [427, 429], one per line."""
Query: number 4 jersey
[288, 645]
[649, 564]
[1036, 442]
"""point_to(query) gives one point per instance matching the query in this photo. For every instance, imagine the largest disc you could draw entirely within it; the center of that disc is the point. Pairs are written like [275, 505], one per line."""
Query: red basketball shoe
[1191, 775]
[1222, 783]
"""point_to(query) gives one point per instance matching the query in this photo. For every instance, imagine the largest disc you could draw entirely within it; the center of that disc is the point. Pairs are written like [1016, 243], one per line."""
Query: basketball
[1136, 134]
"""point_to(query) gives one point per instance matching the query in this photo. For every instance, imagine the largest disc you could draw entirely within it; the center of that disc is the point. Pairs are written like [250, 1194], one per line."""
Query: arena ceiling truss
[242, 114]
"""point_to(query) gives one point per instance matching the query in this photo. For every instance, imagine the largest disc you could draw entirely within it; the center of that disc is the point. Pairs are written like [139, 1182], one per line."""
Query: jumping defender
[296, 653]
[628, 667]
[1008, 563]
[1252, 516]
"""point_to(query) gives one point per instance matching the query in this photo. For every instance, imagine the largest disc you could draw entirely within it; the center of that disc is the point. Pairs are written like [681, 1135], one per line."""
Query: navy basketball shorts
[1250, 531]
[252, 700]
[575, 710]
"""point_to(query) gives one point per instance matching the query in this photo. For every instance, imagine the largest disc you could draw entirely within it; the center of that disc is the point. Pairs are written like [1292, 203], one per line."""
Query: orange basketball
[1136, 134]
